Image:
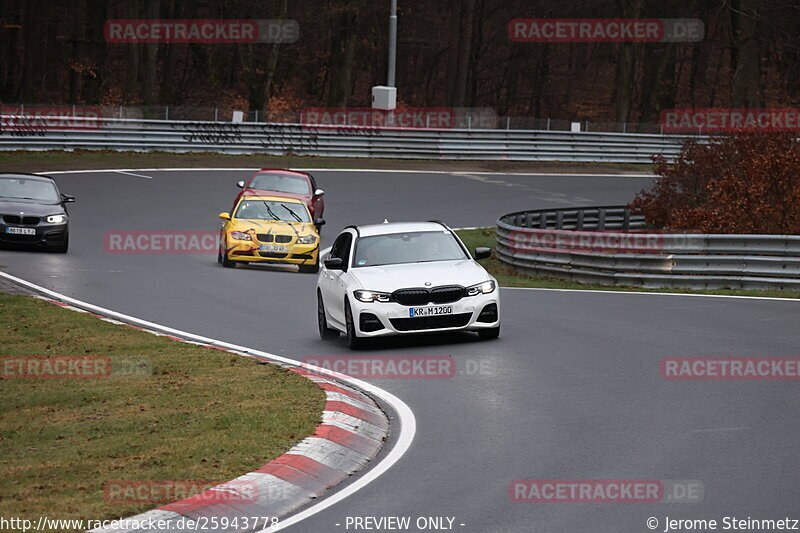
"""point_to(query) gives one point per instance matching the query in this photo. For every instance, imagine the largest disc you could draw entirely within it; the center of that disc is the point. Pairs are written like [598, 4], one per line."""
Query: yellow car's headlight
[240, 236]
[308, 239]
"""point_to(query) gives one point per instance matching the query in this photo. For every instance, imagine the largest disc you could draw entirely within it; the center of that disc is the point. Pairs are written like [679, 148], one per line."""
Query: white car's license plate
[273, 248]
[21, 231]
[431, 311]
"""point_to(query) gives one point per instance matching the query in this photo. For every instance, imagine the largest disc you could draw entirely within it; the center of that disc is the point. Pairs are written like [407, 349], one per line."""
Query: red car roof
[281, 171]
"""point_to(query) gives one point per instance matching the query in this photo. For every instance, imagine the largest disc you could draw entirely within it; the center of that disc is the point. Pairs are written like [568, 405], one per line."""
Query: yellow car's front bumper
[296, 254]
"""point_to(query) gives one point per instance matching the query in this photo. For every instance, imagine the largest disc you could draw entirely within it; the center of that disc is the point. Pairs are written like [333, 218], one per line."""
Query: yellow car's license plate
[273, 248]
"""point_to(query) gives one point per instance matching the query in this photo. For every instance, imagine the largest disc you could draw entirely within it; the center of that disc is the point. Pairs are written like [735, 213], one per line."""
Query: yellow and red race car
[270, 229]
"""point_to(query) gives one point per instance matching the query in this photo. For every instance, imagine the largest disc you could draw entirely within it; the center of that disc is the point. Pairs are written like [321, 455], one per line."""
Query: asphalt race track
[571, 390]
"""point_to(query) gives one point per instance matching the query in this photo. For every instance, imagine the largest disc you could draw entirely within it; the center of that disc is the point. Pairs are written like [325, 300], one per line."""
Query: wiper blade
[297, 218]
[271, 212]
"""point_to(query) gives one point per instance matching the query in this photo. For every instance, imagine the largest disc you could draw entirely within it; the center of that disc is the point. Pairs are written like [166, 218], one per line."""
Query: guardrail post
[166, 113]
[626, 219]
[579, 220]
[601, 218]
[559, 219]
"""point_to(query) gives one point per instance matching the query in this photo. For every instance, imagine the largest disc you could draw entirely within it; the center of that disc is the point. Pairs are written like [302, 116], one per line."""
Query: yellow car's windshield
[272, 210]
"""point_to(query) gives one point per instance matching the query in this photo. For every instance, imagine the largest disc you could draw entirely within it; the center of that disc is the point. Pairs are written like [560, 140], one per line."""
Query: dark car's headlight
[308, 239]
[482, 288]
[372, 296]
[56, 219]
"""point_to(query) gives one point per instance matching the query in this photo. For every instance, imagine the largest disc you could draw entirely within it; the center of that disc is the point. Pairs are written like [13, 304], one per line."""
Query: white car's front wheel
[353, 341]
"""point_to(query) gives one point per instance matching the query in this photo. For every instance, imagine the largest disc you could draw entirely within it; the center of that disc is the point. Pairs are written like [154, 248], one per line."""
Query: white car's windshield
[412, 247]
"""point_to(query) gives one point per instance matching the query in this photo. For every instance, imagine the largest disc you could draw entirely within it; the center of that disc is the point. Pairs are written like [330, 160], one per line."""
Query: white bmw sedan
[404, 278]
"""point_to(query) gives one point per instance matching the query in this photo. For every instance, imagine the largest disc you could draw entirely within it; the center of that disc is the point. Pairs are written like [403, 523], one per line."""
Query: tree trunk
[77, 40]
[464, 54]
[746, 55]
[274, 54]
[93, 76]
[149, 74]
[342, 52]
[626, 66]
[132, 52]
[170, 61]
[29, 29]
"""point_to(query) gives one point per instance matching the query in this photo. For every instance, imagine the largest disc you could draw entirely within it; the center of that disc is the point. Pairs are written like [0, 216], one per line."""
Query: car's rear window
[26, 188]
[281, 183]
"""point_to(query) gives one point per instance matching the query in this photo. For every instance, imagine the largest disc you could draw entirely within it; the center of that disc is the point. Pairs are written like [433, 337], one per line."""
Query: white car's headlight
[485, 288]
[371, 296]
[308, 239]
[57, 219]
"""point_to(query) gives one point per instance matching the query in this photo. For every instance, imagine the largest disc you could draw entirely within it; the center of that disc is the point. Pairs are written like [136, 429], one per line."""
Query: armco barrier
[30, 133]
[610, 246]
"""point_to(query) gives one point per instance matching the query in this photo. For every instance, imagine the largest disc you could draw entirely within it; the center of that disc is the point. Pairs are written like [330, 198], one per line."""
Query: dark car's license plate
[21, 231]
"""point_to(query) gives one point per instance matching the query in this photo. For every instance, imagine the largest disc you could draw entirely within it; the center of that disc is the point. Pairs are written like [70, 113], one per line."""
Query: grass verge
[168, 411]
[508, 277]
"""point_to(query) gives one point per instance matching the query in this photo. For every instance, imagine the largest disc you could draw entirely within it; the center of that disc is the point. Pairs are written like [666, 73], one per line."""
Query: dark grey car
[33, 213]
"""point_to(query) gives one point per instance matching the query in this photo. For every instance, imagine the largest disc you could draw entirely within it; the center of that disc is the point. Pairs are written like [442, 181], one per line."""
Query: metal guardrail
[610, 246]
[30, 133]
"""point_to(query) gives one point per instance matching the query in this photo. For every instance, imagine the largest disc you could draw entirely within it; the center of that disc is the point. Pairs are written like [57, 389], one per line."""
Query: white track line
[132, 174]
[645, 292]
[408, 423]
[377, 170]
